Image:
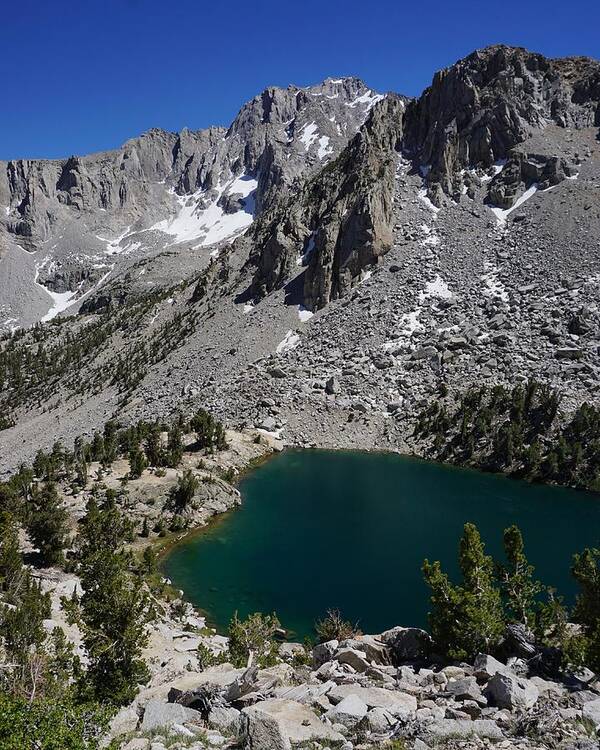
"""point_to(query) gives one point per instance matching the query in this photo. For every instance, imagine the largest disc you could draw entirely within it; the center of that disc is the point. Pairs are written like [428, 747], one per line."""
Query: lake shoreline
[445, 474]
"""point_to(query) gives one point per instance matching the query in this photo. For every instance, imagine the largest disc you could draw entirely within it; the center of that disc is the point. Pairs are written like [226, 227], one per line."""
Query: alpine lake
[350, 530]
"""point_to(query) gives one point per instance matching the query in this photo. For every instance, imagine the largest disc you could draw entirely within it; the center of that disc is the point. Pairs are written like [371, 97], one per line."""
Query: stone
[375, 649]
[485, 667]
[380, 721]
[124, 722]
[511, 692]
[332, 386]
[356, 659]
[324, 652]
[519, 641]
[466, 689]
[407, 644]
[591, 711]
[349, 712]
[227, 720]
[137, 743]
[290, 650]
[446, 729]
[159, 714]
[400, 705]
[277, 724]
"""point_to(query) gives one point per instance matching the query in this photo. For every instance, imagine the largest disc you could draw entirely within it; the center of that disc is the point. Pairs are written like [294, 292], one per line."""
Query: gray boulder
[485, 667]
[512, 692]
[226, 720]
[400, 705]
[348, 712]
[158, 714]
[445, 729]
[380, 721]
[407, 644]
[324, 652]
[591, 711]
[279, 724]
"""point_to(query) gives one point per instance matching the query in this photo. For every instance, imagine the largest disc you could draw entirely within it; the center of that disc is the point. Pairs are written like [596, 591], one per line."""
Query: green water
[321, 529]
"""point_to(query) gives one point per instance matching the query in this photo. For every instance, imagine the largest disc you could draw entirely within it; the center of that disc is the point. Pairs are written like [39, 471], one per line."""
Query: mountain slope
[85, 219]
[407, 265]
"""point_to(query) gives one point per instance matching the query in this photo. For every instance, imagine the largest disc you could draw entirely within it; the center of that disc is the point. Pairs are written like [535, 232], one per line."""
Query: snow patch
[324, 148]
[113, 247]
[308, 134]
[493, 286]
[304, 314]
[425, 198]
[290, 341]
[436, 288]
[369, 98]
[502, 214]
[211, 224]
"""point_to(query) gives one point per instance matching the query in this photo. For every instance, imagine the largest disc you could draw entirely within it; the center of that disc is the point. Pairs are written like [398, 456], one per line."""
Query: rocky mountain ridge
[396, 268]
[85, 218]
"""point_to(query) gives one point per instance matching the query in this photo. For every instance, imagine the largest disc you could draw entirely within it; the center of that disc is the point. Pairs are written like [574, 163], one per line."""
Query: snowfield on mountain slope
[212, 224]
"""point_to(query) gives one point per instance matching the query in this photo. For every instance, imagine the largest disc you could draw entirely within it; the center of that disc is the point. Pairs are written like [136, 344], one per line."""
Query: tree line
[518, 431]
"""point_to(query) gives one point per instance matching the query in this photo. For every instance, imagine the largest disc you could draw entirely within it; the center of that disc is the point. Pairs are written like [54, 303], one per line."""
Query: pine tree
[175, 446]
[114, 609]
[48, 527]
[137, 463]
[183, 492]
[466, 618]
[586, 571]
[519, 588]
[12, 572]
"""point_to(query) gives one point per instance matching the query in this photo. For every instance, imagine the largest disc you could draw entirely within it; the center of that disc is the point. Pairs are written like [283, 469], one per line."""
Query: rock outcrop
[477, 110]
[340, 223]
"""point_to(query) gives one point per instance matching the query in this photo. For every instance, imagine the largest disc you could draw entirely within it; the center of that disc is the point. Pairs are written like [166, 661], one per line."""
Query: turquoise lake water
[322, 529]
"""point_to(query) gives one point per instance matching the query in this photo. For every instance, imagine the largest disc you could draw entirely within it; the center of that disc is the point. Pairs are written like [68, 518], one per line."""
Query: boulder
[519, 641]
[279, 724]
[447, 729]
[407, 644]
[466, 689]
[348, 712]
[158, 714]
[375, 649]
[591, 711]
[400, 705]
[288, 651]
[380, 721]
[226, 720]
[511, 692]
[324, 652]
[485, 667]
[356, 659]
[124, 722]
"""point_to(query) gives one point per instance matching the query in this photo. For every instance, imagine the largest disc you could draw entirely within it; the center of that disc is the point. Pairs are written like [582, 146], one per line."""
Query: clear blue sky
[86, 75]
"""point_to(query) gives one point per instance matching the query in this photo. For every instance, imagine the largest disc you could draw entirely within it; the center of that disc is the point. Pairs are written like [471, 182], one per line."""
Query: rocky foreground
[367, 691]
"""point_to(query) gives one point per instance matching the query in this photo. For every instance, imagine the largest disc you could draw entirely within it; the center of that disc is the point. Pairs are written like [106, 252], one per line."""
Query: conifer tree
[519, 588]
[113, 610]
[47, 525]
[466, 618]
[12, 573]
[586, 571]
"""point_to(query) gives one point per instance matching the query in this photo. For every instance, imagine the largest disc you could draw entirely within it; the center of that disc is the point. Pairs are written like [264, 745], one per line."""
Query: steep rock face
[476, 111]
[279, 135]
[87, 219]
[341, 220]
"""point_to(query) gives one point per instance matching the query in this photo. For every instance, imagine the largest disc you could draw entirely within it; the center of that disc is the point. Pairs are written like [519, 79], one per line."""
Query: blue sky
[85, 76]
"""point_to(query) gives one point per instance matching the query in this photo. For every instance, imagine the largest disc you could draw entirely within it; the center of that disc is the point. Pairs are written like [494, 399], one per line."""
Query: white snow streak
[308, 134]
[502, 214]
[290, 341]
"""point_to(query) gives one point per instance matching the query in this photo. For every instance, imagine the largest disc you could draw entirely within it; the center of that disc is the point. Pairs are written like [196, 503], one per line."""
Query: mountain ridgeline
[334, 247]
